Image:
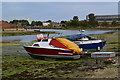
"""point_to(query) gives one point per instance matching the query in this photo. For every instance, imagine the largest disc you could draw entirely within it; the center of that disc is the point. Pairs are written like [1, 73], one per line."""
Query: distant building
[51, 24]
[55, 24]
[107, 18]
[46, 23]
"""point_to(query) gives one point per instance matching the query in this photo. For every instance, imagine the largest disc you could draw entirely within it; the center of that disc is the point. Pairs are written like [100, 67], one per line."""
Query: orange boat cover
[66, 44]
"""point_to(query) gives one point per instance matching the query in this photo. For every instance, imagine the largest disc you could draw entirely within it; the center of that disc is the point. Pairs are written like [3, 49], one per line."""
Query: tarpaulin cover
[74, 37]
[66, 44]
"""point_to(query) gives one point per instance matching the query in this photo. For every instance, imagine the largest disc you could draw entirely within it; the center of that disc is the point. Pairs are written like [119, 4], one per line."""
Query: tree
[49, 21]
[63, 23]
[105, 24]
[91, 17]
[72, 23]
[92, 22]
[50, 25]
[20, 22]
[24, 22]
[36, 23]
[75, 21]
[75, 18]
[68, 23]
[33, 23]
[83, 24]
[114, 23]
[14, 22]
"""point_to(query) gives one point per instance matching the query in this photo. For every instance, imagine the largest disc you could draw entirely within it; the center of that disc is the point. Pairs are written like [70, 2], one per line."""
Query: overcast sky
[60, 0]
[56, 11]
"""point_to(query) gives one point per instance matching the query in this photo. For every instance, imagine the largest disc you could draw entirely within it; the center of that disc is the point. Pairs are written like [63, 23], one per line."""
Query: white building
[46, 23]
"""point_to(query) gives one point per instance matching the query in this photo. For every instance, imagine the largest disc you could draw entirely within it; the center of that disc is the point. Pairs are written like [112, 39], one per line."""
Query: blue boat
[87, 43]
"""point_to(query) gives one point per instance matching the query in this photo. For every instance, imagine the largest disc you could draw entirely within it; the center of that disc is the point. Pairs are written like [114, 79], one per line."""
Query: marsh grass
[11, 44]
[17, 33]
[19, 65]
[112, 39]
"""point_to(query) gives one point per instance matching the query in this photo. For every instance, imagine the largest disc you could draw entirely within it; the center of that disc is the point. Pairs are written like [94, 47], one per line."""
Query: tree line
[26, 23]
[75, 22]
[91, 22]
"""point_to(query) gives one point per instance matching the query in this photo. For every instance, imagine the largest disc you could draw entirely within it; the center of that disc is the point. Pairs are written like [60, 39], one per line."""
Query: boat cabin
[43, 43]
[80, 37]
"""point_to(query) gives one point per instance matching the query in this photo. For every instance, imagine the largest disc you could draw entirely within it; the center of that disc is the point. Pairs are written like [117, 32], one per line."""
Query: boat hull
[51, 53]
[92, 46]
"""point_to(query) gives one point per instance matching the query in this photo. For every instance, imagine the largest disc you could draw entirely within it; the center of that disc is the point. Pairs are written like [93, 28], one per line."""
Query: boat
[54, 48]
[87, 43]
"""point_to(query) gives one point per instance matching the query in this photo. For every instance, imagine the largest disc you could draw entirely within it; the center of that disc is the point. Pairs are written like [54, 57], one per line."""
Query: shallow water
[29, 38]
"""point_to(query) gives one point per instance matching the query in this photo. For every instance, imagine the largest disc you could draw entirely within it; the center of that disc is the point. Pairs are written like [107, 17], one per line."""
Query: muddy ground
[18, 65]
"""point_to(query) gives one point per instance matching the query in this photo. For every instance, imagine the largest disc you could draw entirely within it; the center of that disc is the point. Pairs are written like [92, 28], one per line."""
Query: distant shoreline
[18, 33]
[77, 28]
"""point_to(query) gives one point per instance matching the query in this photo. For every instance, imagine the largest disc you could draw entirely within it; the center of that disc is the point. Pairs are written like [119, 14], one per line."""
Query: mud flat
[18, 65]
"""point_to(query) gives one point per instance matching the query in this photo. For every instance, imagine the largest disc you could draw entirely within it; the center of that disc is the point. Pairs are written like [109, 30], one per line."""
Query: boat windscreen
[36, 45]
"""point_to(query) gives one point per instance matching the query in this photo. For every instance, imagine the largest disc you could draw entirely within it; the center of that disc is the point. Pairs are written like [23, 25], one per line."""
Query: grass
[112, 41]
[17, 64]
[92, 28]
[17, 33]
[39, 68]
[9, 44]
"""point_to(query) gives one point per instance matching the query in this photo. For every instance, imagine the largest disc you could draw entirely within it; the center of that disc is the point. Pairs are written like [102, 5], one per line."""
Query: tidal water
[29, 38]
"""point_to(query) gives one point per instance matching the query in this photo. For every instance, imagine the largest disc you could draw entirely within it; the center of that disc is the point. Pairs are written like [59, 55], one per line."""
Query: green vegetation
[17, 64]
[25, 23]
[81, 24]
[75, 23]
[17, 33]
[114, 23]
[90, 22]
[36, 23]
[112, 41]
[20, 22]
[12, 43]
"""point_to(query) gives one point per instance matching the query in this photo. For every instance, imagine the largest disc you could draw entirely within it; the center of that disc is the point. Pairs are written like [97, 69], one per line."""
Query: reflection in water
[29, 38]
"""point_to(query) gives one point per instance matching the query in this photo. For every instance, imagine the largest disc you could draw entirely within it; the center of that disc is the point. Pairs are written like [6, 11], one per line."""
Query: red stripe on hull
[47, 51]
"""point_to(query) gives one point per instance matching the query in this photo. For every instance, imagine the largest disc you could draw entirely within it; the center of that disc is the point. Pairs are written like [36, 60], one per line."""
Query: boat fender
[98, 48]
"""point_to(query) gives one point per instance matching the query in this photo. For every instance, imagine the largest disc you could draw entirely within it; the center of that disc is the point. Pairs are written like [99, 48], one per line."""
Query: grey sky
[60, 0]
[56, 11]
